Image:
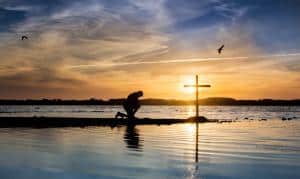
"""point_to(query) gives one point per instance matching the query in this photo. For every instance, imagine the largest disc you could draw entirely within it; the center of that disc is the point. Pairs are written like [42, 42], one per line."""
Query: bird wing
[220, 49]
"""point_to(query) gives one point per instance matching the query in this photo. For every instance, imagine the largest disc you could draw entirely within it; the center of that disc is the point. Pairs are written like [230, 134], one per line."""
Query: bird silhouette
[24, 37]
[220, 49]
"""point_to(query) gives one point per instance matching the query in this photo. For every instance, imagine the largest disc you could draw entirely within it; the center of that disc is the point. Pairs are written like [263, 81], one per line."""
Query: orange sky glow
[108, 52]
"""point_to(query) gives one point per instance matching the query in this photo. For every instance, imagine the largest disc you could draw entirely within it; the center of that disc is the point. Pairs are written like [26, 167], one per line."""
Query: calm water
[249, 149]
[212, 112]
[244, 149]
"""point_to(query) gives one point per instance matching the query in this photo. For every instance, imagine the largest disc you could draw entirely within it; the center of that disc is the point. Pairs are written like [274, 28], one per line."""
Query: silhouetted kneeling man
[131, 105]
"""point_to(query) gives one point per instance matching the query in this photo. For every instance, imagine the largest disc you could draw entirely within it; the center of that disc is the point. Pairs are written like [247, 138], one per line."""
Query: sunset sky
[108, 48]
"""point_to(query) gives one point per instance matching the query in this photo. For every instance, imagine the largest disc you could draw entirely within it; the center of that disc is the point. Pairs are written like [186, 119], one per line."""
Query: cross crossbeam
[199, 86]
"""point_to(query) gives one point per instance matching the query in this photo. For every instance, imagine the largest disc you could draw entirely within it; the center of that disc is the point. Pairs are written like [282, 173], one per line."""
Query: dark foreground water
[246, 149]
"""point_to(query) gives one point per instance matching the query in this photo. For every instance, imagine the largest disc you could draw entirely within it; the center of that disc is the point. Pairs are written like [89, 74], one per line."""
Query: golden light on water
[190, 129]
[190, 112]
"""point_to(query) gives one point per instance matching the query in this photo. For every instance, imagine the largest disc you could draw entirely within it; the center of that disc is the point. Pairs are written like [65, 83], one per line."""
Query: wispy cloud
[192, 60]
[76, 43]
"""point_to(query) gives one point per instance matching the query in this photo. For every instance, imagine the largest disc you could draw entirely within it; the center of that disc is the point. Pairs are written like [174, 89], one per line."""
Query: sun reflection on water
[190, 111]
[190, 129]
[225, 150]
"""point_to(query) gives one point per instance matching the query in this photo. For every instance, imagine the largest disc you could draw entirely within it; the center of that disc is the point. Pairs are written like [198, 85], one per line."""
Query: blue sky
[265, 18]
[75, 43]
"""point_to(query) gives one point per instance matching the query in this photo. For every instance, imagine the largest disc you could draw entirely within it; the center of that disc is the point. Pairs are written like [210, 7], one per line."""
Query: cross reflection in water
[196, 150]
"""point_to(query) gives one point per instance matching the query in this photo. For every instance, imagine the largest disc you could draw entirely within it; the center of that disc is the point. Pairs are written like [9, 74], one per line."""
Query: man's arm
[136, 108]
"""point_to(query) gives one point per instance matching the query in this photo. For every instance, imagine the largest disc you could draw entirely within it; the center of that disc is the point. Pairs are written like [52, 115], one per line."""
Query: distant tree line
[206, 101]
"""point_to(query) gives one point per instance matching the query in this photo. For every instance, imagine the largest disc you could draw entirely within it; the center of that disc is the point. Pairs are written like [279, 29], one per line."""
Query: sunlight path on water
[250, 149]
[157, 111]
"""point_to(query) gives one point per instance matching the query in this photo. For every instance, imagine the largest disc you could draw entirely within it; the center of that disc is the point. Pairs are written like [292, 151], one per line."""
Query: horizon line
[93, 98]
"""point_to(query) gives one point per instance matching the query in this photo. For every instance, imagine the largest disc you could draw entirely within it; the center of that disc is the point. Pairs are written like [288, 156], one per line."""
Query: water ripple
[236, 150]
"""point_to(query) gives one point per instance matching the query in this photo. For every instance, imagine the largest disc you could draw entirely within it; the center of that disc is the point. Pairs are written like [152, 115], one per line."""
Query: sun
[187, 84]
[187, 80]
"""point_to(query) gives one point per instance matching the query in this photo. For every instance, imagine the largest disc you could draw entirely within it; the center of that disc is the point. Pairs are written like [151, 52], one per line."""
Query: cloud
[129, 43]
[71, 35]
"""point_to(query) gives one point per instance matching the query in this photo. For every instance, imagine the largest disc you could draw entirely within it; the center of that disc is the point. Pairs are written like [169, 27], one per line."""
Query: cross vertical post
[197, 93]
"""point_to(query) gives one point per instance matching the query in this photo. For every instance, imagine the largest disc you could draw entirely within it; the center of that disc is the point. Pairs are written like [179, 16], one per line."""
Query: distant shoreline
[216, 101]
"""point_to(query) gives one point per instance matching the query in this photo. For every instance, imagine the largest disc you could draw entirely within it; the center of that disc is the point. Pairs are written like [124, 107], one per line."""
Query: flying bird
[24, 37]
[220, 49]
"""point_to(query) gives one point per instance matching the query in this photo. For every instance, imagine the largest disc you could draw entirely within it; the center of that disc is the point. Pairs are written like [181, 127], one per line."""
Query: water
[243, 149]
[211, 112]
[249, 149]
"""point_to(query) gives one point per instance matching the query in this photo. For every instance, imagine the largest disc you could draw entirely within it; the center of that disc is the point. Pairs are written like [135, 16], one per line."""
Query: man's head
[140, 93]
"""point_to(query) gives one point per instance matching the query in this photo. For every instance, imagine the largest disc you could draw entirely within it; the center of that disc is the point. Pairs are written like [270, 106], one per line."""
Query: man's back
[132, 99]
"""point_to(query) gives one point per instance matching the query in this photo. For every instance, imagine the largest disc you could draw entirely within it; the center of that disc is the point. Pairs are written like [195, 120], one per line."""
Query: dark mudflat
[44, 122]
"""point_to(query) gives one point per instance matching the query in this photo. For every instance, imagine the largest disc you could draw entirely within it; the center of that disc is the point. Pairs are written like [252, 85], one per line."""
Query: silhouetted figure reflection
[131, 105]
[132, 138]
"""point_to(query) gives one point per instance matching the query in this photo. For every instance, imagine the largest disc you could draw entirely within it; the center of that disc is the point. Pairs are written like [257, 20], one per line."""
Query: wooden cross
[197, 86]
[197, 112]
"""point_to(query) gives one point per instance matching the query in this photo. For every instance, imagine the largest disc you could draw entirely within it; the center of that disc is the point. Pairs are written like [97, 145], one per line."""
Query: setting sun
[187, 83]
[187, 80]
